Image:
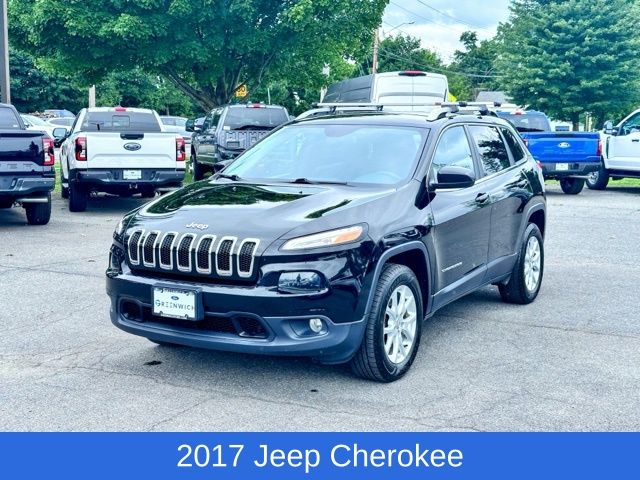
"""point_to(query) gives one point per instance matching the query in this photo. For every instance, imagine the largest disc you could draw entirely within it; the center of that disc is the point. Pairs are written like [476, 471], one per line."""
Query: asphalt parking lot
[570, 361]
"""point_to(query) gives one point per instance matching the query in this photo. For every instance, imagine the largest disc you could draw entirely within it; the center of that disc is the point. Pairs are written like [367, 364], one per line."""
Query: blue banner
[332, 456]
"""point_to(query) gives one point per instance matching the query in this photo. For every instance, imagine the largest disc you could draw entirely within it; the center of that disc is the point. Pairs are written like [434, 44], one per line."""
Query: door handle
[482, 198]
[636, 140]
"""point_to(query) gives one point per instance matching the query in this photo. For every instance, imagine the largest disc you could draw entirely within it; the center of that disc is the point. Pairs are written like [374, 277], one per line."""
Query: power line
[429, 20]
[384, 53]
[452, 17]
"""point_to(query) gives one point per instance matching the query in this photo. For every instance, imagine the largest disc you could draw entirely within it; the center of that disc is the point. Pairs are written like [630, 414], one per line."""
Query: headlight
[325, 239]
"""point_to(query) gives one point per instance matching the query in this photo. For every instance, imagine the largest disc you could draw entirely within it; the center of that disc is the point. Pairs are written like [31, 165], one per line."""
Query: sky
[440, 31]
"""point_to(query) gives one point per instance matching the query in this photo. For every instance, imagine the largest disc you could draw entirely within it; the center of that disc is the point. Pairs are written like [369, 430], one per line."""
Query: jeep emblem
[199, 226]
[132, 146]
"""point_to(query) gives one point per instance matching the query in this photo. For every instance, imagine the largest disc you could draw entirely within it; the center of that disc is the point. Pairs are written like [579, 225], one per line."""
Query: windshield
[528, 122]
[120, 122]
[334, 153]
[247, 117]
[8, 118]
[177, 121]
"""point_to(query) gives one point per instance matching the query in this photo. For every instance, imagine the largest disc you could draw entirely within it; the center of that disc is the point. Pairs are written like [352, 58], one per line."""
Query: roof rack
[444, 108]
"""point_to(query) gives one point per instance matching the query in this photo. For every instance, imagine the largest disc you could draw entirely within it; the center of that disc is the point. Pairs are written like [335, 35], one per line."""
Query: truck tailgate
[130, 150]
[242, 139]
[21, 148]
[563, 146]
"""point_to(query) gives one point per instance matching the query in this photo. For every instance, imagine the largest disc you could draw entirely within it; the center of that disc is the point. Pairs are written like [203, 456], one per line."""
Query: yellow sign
[452, 97]
[242, 91]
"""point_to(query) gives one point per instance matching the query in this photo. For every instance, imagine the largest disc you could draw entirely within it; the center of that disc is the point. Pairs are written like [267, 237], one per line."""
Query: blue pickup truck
[565, 156]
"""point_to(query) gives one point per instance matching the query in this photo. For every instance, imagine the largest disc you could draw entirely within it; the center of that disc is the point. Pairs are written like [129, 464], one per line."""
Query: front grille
[192, 254]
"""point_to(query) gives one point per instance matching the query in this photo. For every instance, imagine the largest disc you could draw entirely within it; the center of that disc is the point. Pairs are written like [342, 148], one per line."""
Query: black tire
[571, 186]
[6, 202]
[198, 169]
[64, 191]
[78, 197]
[38, 213]
[148, 193]
[516, 290]
[371, 360]
[598, 180]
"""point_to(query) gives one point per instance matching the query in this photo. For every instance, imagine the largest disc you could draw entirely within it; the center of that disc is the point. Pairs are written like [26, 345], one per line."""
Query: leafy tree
[572, 57]
[206, 47]
[405, 53]
[33, 89]
[476, 64]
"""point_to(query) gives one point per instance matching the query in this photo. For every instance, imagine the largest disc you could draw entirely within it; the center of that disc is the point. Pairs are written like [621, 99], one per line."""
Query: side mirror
[60, 132]
[451, 176]
[189, 125]
[197, 128]
[26, 124]
[608, 128]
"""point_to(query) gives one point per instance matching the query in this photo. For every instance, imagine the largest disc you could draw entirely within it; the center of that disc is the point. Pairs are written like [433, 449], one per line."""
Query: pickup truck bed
[27, 174]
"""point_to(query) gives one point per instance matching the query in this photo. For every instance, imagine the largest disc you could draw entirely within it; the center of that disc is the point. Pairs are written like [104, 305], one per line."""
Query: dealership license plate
[132, 174]
[562, 167]
[174, 303]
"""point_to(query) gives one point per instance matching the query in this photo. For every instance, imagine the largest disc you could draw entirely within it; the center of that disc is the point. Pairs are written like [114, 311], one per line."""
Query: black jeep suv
[334, 237]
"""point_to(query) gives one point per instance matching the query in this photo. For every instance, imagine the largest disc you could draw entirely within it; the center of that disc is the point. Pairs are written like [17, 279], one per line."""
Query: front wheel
[526, 278]
[39, 213]
[599, 179]
[571, 186]
[394, 326]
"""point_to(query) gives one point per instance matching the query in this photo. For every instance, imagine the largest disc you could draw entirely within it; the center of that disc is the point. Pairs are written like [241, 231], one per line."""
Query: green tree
[33, 89]
[476, 65]
[572, 57]
[405, 53]
[206, 47]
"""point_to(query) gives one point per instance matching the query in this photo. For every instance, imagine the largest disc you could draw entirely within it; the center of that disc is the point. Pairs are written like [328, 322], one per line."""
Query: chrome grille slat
[224, 256]
[191, 253]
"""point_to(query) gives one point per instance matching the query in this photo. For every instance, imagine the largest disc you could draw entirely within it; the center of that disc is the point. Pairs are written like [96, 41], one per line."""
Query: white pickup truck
[620, 152]
[121, 151]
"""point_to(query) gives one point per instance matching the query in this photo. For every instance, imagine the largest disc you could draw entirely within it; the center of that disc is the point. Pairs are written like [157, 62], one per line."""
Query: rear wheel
[78, 197]
[526, 278]
[39, 213]
[6, 202]
[394, 326]
[64, 190]
[148, 193]
[599, 179]
[572, 186]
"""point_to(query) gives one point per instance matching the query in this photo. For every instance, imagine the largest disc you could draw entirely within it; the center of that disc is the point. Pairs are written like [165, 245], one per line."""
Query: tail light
[539, 163]
[180, 150]
[599, 151]
[49, 155]
[412, 73]
[81, 149]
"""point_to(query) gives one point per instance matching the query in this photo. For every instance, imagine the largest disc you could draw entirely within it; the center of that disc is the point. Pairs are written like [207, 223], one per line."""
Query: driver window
[631, 126]
[206, 125]
[453, 149]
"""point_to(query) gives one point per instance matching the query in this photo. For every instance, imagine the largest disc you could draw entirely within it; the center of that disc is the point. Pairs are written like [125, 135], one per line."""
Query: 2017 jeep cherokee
[334, 237]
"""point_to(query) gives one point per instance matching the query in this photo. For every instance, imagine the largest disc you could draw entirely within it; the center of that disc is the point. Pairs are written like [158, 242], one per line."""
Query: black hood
[269, 211]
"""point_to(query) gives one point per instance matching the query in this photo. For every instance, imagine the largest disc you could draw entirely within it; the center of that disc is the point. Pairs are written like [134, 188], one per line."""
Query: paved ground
[570, 361]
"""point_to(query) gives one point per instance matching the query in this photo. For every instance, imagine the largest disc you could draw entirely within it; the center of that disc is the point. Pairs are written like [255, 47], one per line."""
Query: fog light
[316, 325]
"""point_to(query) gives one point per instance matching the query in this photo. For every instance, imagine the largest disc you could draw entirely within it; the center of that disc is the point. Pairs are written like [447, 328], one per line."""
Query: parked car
[37, 124]
[229, 131]
[27, 174]
[569, 157]
[402, 91]
[177, 125]
[620, 153]
[121, 151]
[62, 121]
[53, 113]
[334, 237]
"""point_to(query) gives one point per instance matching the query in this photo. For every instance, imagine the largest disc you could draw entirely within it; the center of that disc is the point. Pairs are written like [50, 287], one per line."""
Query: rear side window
[8, 119]
[492, 150]
[144, 122]
[516, 150]
[453, 149]
[248, 117]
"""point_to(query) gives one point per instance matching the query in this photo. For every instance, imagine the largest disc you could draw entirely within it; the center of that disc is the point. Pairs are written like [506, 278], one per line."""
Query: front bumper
[150, 177]
[18, 186]
[573, 169]
[279, 319]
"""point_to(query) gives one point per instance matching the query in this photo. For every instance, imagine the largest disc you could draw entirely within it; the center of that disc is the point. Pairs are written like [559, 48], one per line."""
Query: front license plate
[132, 174]
[174, 303]
[562, 166]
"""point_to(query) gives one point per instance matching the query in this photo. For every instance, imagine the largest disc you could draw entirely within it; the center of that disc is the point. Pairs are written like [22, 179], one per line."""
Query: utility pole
[5, 85]
[376, 44]
[92, 96]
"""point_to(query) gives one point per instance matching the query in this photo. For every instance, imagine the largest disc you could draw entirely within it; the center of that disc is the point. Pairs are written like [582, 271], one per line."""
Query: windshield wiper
[306, 181]
[233, 177]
